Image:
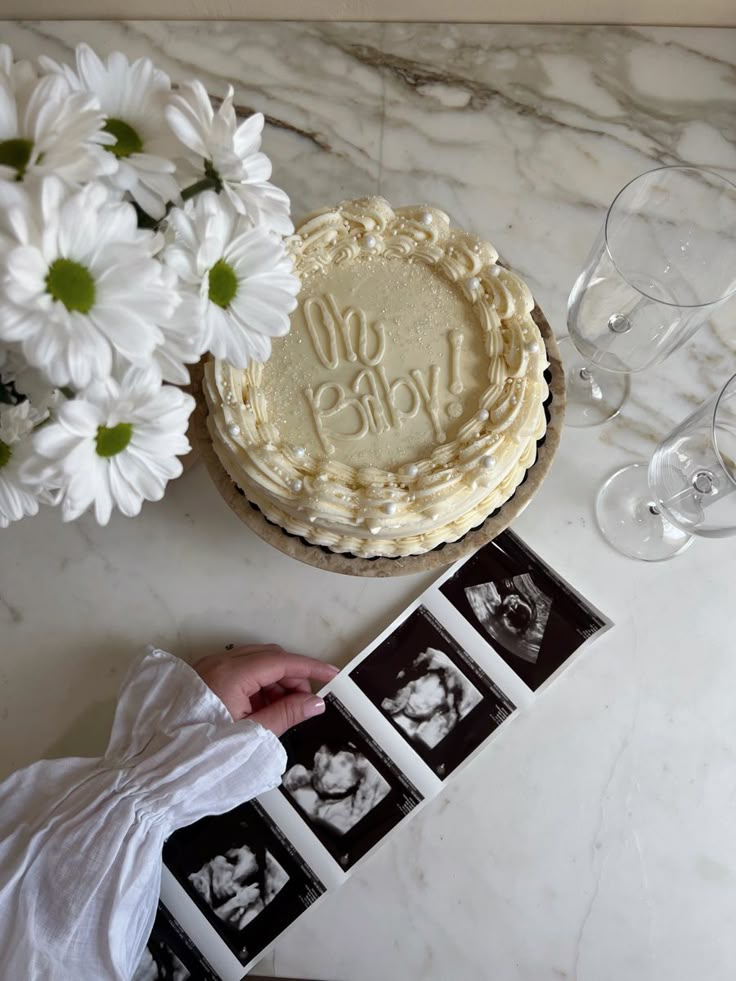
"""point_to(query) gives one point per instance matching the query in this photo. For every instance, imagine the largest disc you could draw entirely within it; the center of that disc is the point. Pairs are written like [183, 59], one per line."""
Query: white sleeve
[81, 839]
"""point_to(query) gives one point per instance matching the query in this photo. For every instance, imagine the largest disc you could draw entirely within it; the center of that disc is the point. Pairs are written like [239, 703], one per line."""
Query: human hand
[266, 684]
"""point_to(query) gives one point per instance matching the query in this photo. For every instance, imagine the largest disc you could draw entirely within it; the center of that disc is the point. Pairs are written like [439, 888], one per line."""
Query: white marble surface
[594, 841]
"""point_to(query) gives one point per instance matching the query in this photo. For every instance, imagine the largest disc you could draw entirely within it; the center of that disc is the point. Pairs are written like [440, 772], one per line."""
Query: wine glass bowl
[664, 261]
[693, 470]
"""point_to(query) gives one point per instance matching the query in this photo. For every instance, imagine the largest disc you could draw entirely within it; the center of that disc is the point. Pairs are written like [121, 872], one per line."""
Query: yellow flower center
[128, 140]
[71, 284]
[113, 440]
[223, 283]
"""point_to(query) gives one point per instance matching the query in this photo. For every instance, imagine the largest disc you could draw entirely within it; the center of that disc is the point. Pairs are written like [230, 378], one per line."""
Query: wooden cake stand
[443, 555]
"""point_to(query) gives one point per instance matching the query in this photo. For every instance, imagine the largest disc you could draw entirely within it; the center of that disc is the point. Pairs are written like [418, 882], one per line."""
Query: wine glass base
[593, 395]
[630, 521]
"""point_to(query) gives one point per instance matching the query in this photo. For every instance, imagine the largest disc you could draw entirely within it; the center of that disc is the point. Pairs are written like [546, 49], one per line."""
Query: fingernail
[334, 669]
[313, 706]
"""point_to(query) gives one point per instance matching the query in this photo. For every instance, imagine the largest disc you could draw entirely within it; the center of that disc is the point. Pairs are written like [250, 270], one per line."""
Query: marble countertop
[594, 840]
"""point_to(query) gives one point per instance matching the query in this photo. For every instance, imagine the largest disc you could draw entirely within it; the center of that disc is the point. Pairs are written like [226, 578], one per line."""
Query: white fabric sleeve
[81, 839]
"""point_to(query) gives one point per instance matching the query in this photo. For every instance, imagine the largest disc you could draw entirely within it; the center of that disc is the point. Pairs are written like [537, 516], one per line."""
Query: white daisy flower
[133, 97]
[117, 445]
[237, 281]
[79, 282]
[45, 128]
[17, 498]
[230, 154]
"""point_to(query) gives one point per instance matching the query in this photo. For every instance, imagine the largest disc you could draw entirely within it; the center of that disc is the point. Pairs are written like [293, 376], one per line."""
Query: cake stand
[443, 555]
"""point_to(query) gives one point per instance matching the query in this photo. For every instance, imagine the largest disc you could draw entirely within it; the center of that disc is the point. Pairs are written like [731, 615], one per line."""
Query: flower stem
[205, 184]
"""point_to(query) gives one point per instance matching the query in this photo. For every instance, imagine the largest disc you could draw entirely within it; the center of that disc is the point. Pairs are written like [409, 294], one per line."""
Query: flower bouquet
[138, 231]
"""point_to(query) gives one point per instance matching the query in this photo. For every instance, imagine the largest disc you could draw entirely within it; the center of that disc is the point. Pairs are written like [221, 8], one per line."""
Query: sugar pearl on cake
[411, 470]
[473, 283]
[532, 347]
[322, 478]
[233, 429]
[390, 507]
[482, 415]
[369, 241]
[297, 485]
[299, 452]
[488, 462]
[427, 218]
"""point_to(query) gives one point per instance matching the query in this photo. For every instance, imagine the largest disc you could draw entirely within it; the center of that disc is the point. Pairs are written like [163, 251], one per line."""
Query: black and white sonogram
[244, 875]
[432, 699]
[343, 785]
[525, 611]
[514, 612]
[238, 885]
[170, 954]
[428, 688]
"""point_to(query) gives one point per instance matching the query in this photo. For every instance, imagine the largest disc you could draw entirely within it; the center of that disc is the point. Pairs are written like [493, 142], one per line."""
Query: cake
[405, 404]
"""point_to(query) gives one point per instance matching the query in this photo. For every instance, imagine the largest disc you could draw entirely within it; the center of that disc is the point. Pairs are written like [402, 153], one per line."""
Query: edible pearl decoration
[233, 429]
[411, 470]
[390, 507]
[427, 218]
[473, 283]
[482, 415]
[296, 485]
[299, 452]
[488, 461]
[533, 347]
[369, 241]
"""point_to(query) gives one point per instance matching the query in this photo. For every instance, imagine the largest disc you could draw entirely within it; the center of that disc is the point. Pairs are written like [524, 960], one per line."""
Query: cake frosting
[406, 402]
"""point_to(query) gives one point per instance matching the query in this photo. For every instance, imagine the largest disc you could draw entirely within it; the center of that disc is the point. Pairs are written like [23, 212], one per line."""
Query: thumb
[288, 711]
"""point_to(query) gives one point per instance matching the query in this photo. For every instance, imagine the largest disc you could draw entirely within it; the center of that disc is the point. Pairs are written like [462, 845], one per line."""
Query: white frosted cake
[406, 402]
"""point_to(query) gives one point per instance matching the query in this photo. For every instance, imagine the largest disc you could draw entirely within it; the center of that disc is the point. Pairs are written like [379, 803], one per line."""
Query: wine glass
[689, 488]
[664, 261]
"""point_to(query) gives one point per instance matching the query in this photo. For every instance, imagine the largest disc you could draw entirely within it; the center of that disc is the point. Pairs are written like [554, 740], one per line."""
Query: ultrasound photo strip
[344, 786]
[432, 692]
[422, 700]
[521, 608]
[170, 954]
[240, 878]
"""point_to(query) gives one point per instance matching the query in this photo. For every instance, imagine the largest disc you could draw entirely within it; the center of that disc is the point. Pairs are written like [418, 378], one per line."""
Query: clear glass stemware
[689, 488]
[664, 261]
